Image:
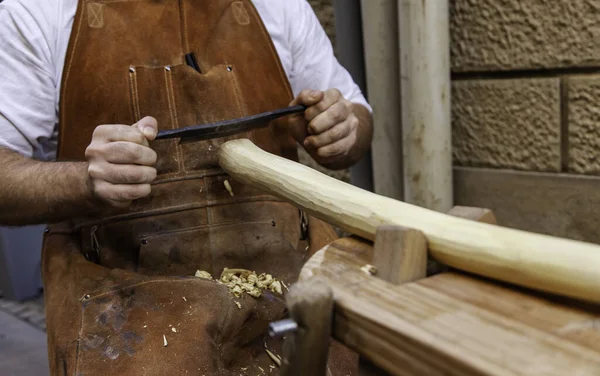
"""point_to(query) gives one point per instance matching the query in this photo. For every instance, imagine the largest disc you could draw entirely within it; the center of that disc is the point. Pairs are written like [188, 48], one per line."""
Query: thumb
[148, 126]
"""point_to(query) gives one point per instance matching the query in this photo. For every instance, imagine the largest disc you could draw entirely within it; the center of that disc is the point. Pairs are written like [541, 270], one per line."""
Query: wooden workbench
[453, 323]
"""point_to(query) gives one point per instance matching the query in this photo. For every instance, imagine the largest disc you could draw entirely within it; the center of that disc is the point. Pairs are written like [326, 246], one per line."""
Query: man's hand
[121, 163]
[334, 131]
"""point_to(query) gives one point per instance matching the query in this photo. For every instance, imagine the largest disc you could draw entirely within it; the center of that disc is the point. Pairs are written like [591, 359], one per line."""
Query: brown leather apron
[120, 294]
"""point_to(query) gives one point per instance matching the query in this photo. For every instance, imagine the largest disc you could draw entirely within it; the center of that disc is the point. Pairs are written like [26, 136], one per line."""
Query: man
[89, 84]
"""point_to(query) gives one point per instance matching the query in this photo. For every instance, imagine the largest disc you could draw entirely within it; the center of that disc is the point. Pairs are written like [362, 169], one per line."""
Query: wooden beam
[562, 205]
[415, 330]
[546, 263]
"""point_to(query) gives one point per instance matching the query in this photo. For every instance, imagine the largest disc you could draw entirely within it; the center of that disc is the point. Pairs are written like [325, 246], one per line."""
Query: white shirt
[34, 35]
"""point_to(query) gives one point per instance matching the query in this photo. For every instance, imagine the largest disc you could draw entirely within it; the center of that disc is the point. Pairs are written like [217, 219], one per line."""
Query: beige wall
[525, 97]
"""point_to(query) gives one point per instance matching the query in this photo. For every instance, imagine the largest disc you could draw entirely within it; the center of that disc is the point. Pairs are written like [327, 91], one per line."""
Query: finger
[337, 149]
[328, 137]
[308, 97]
[121, 192]
[148, 126]
[116, 132]
[330, 97]
[127, 153]
[297, 127]
[122, 174]
[334, 115]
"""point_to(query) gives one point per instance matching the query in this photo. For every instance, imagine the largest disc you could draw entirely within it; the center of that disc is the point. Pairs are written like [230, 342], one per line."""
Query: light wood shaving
[244, 281]
[369, 269]
[274, 357]
[228, 187]
[202, 274]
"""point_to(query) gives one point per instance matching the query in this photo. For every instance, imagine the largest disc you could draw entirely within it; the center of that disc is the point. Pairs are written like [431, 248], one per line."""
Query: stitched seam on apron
[183, 25]
[241, 104]
[119, 288]
[79, 335]
[173, 113]
[173, 209]
[206, 226]
[237, 93]
[134, 96]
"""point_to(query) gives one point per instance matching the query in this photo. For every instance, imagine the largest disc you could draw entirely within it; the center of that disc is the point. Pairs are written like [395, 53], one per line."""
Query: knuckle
[337, 133]
[337, 112]
[137, 191]
[130, 151]
[91, 151]
[321, 106]
[136, 135]
[94, 171]
[151, 175]
[153, 157]
[99, 131]
[313, 128]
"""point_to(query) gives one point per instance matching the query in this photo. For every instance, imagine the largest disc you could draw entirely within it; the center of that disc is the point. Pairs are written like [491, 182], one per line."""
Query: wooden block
[400, 254]
[305, 352]
[473, 213]
[563, 205]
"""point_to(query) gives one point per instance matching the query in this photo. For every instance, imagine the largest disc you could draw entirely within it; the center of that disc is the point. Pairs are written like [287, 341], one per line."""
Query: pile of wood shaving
[240, 281]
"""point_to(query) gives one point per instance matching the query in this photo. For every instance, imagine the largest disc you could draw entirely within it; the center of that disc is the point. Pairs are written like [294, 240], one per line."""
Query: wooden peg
[400, 254]
[305, 351]
[476, 214]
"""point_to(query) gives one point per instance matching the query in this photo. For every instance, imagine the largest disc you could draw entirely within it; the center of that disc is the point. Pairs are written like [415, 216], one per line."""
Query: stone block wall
[524, 94]
[526, 112]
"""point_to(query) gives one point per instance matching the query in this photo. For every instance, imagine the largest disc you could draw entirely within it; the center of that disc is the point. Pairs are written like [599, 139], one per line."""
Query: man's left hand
[328, 129]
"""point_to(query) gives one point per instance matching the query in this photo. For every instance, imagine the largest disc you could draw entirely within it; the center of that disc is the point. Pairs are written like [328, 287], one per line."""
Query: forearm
[34, 192]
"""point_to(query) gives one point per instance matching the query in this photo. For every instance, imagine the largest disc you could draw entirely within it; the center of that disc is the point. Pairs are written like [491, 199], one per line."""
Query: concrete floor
[23, 348]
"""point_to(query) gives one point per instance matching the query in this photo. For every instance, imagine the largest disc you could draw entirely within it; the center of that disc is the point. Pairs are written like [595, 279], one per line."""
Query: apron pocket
[206, 98]
[260, 246]
[151, 95]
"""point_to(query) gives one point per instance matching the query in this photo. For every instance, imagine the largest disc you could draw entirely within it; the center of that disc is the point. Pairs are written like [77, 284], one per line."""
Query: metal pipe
[380, 33]
[425, 96]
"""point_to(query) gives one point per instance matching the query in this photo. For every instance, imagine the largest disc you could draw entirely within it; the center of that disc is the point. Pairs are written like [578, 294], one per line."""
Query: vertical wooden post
[305, 352]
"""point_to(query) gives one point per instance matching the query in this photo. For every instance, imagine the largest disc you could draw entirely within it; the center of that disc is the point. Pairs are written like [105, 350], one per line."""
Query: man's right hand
[121, 162]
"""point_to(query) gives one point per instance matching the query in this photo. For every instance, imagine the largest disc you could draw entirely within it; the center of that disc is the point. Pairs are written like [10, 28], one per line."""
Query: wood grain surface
[556, 265]
[452, 324]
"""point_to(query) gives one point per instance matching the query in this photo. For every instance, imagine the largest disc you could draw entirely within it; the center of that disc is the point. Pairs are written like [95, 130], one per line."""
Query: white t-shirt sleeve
[314, 65]
[27, 85]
